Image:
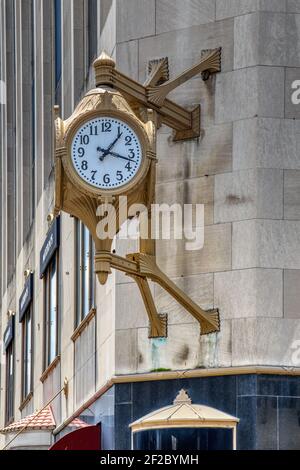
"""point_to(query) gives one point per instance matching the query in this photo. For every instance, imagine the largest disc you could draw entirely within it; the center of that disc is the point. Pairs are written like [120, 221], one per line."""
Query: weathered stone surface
[244, 341]
[292, 195]
[246, 293]
[266, 243]
[266, 143]
[178, 14]
[293, 6]
[127, 25]
[292, 110]
[250, 92]
[126, 351]
[248, 194]
[127, 58]
[291, 293]
[215, 255]
[191, 191]
[192, 159]
[230, 8]
[130, 313]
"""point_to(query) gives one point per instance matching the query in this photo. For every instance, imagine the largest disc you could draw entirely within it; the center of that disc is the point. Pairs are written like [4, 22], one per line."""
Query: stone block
[191, 191]
[266, 143]
[244, 341]
[292, 293]
[292, 110]
[255, 286]
[175, 260]
[250, 92]
[127, 58]
[229, 8]
[266, 244]
[135, 19]
[193, 158]
[293, 6]
[126, 351]
[248, 194]
[292, 194]
[178, 14]
[130, 309]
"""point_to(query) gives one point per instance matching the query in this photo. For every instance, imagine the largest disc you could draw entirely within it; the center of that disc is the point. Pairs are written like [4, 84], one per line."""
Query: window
[27, 353]
[10, 383]
[84, 278]
[51, 311]
[92, 30]
[58, 50]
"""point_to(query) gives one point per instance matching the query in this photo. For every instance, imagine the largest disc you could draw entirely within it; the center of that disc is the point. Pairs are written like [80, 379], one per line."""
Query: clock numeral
[128, 166]
[128, 140]
[106, 178]
[84, 165]
[106, 126]
[119, 175]
[84, 139]
[93, 130]
[131, 153]
[81, 151]
[93, 174]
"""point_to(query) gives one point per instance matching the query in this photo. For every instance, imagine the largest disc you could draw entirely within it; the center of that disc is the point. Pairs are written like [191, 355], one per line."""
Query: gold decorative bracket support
[141, 267]
[153, 95]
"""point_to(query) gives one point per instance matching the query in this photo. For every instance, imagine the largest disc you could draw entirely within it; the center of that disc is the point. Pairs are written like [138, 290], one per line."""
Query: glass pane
[78, 271]
[28, 355]
[52, 312]
[85, 271]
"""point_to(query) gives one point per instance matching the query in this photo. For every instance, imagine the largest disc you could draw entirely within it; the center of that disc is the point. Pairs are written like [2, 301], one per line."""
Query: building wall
[244, 168]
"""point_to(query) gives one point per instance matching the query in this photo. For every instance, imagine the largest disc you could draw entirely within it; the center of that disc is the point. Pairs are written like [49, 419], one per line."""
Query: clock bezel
[86, 187]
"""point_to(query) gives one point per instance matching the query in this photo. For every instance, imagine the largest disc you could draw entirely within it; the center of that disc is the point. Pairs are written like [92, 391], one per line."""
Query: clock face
[106, 152]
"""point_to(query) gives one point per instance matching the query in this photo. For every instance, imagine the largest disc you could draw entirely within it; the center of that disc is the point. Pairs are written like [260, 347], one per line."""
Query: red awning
[84, 438]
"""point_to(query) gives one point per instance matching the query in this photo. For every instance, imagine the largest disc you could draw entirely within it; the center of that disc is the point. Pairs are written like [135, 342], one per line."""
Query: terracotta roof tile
[45, 420]
[78, 423]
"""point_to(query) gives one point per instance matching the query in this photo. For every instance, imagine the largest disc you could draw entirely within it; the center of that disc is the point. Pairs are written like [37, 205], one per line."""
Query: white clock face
[106, 152]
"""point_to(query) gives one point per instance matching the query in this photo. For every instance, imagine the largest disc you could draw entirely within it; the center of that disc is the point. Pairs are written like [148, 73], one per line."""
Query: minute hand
[114, 154]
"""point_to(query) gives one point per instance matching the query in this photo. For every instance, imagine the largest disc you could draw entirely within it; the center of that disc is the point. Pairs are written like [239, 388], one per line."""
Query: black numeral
[119, 175]
[84, 165]
[106, 126]
[131, 153]
[106, 178]
[128, 140]
[93, 174]
[93, 130]
[84, 139]
[128, 166]
[81, 151]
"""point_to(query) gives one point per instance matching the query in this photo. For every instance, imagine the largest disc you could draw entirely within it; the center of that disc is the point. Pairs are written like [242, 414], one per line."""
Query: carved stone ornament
[125, 100]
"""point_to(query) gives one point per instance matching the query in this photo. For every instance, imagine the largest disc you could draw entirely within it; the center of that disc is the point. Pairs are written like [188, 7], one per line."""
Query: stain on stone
[183, 354]
[140, 358]
[233, 199]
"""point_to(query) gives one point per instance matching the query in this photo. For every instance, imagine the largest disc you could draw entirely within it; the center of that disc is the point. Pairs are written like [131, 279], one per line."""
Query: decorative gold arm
[141, 266]
[211, 63]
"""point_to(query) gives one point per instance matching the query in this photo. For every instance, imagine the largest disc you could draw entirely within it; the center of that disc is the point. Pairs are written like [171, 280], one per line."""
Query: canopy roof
[184, 414]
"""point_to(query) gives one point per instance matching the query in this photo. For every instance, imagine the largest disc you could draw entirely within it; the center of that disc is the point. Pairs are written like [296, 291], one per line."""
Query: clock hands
[107, 151]
[114, 154]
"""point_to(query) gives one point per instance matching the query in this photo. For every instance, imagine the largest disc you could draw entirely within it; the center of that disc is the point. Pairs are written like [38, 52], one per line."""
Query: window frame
[9, 383]
[79, 282]
[24, 392]
[48, 360]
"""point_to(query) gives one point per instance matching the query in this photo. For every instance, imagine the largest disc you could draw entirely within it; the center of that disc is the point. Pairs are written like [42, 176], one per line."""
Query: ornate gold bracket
[145, 106]
[152, 95]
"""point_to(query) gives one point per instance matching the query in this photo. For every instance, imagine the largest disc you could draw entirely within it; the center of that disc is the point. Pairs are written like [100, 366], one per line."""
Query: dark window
[51, 310]
[10, 366]
[85, 279]
[184, 439]
[92, 30]
[27, 353]
[58, 50]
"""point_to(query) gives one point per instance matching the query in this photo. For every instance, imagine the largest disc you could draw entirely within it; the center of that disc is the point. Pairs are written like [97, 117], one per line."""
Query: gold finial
[182, 397]
[104, 59]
